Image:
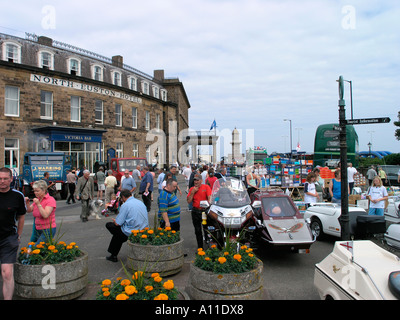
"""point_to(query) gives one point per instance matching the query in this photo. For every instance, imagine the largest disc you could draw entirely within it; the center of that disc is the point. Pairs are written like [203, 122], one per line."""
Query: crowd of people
[136, 194]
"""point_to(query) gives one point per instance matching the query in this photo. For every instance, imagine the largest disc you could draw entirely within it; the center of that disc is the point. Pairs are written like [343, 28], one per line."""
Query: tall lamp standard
[291, 148]
[351, 96]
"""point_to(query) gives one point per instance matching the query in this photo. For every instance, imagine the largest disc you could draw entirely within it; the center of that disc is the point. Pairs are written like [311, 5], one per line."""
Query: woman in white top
[310, 193]
[377, 195]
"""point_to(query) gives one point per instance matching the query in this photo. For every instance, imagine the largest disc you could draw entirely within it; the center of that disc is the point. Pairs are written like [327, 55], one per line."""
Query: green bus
[327, 145]
[256, 155]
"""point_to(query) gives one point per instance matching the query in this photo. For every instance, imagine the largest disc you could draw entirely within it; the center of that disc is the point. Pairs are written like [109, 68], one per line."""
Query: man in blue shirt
[127, 182]
[169, 208]
[132, 216]
[146, 188]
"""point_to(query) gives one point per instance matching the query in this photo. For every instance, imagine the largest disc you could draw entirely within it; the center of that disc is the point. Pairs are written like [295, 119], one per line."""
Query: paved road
[287, 276]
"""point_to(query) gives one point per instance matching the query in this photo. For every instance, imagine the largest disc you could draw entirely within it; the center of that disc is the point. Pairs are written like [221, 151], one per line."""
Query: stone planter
[61, 281]
[165, 260]
[205, 285]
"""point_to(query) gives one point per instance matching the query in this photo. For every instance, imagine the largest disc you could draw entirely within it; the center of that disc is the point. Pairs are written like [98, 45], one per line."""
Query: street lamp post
[290, 136]
[351, 96]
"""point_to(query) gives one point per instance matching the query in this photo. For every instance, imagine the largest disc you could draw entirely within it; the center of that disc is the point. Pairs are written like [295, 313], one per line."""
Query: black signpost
[344, 218]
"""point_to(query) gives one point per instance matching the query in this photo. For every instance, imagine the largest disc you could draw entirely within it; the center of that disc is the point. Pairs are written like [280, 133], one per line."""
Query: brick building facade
[56, 97]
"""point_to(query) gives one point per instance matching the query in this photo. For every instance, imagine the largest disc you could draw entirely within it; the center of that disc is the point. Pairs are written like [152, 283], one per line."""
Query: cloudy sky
[248, 64]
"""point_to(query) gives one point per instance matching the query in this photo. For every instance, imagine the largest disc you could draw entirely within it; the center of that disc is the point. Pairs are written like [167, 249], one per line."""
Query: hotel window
[158, 121]
[134, 117]
[11, 103]
[119, 150]
[156, 92]
[147, 120]
[116, 76]
[98, 112]
[11, 52]
[97, 72]
[135, 150]
[75, 109]
[74, 66]
[46, 105]
[11, 153]
[132, 82]
[46, 60]
[118, 115]
[163, 95]
[145, 87]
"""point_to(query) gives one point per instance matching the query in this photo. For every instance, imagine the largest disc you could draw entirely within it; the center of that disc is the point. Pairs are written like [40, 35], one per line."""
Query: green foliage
[154, 237]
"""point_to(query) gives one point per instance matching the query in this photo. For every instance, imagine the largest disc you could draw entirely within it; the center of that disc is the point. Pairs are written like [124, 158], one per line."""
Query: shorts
[376, 211]
[9, 249]
[101, 187]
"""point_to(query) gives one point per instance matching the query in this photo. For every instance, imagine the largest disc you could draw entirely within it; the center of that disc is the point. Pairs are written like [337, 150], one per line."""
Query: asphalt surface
[287, 276]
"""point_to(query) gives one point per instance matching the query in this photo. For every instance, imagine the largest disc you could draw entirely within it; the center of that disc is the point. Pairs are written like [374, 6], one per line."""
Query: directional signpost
[368, 121]
[344, 218]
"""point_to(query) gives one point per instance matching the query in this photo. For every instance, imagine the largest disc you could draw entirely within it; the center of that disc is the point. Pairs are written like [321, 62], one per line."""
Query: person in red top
[43, 209]
[196, 194]
[211, 178]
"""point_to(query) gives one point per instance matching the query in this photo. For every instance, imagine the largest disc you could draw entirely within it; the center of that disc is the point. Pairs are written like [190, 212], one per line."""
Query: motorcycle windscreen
[288, 231]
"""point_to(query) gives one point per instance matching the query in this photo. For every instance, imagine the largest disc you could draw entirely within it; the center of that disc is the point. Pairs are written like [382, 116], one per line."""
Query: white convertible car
[325, 218]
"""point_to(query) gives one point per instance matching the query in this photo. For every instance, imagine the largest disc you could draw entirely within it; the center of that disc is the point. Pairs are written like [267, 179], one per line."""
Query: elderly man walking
[85, 192]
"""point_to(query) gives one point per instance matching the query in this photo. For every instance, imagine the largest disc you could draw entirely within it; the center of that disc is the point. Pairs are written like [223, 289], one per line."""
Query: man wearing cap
[196, 194]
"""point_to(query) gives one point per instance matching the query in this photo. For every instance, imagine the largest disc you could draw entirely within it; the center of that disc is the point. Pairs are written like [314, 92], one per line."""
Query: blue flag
[213, 125]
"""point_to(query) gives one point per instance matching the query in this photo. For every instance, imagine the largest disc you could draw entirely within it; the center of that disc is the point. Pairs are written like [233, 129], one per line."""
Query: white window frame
[10, 99]
[158, 121]
[134, 117]
[93, 70]
[69, 65]
[118, 115]
[98, 103]
[132, 83]
[156, 92]
[119, 150]
[114, 73]
[5, 51]
[13, 150]
[135, 150]
[46, 104]
[78, 108]
[147, 120]
[145, 87]
[40, 59]
[163, 94]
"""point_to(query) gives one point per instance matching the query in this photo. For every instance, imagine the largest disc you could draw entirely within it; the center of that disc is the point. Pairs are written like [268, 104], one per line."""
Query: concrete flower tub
[165, 259]
[206, 285]
[63, 281]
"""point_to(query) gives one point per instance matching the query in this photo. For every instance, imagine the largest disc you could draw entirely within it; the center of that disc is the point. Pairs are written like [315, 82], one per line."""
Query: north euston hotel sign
[83, 87]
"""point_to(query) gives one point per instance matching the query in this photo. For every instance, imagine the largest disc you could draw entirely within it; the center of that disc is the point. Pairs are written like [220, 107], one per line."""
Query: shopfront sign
[83, 87]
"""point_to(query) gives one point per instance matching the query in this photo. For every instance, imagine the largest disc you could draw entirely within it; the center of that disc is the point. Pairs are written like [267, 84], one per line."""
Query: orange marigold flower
[144, 236]
[158, 279]
[51, 247]
[122, 296]
[199, 249]
[125, 282]
[207, 259]
[155, 274]
[237, 257]
[148, 288]
[36, 251]
[129, 290]
[226, 253]
[150, 231]
[106, 293]
[201, 253]
[221, 260]
[213, 246]
[251, 255]
[161, 296]
[106, 282]
[169, 285]
[167, 228]
[137, 274]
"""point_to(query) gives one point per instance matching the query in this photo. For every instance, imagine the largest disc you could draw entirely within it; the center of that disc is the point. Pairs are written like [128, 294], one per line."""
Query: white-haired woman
[43, 209]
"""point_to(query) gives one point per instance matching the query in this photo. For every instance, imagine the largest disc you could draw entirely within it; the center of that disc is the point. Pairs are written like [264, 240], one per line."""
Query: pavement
[94, 238]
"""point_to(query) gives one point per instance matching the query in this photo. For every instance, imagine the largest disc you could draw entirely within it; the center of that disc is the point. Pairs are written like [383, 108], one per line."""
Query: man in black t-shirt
[12, 209]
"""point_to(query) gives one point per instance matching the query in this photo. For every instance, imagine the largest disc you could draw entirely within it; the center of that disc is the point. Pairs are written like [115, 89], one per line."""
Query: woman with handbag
[85, 192]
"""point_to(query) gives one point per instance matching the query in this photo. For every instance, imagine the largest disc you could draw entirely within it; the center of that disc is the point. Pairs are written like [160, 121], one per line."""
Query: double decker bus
[327, 145]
